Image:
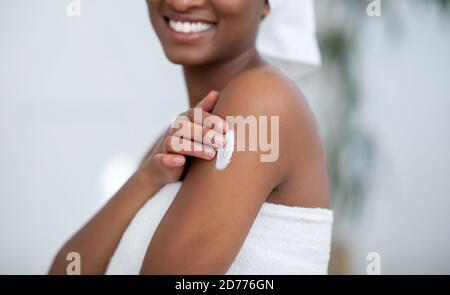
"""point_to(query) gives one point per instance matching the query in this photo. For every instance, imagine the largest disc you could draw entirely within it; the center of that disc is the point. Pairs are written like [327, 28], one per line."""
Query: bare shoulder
[262, 90]
[265, 91]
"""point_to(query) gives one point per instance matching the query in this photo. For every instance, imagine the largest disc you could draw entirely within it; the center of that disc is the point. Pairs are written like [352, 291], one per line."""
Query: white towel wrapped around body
[282, 240]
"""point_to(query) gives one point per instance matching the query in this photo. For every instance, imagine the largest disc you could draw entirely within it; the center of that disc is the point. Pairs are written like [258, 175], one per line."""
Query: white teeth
[185, 27]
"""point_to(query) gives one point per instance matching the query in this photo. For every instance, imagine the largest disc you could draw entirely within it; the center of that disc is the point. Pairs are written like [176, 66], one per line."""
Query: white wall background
[77, 94]
[79, 100]
[406, 77]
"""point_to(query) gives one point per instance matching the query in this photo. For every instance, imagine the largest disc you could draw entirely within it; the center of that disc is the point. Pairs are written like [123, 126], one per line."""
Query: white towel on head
[282, 240]
[288, 36]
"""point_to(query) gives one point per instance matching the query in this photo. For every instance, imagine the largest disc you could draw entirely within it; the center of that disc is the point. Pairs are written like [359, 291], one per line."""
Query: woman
[250, 217]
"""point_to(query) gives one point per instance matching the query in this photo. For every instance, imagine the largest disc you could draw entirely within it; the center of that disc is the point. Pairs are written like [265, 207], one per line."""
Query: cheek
[239, 15]
[154, 10]
[153, 4]
[238, 20]
[238, 8]
[230, 7]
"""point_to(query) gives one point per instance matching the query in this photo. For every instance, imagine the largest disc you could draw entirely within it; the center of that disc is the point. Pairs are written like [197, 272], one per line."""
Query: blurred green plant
[351, 149]
[445, 4]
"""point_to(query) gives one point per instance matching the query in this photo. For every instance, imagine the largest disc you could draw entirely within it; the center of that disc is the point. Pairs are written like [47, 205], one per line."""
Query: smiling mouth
[188, 27]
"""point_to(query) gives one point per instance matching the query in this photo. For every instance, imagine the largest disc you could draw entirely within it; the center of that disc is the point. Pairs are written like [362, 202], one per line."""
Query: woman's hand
[98, 239]
[166, 162]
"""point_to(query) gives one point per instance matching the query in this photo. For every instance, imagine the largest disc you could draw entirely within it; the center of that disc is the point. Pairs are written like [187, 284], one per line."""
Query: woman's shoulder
[264, 73]
[266, 91]
[263, 89]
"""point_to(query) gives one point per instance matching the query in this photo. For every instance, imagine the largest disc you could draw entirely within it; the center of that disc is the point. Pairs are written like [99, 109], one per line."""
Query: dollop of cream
[224, 155]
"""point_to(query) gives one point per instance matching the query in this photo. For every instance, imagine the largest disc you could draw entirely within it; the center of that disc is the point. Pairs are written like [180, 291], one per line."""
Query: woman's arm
[170, 164]
[207, 223]
[98, 239]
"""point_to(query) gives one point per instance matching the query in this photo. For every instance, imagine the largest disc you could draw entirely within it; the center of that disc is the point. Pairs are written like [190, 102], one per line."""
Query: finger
[166, 161]
[182, 146]
[171, 160]
[195, 132]
[207, 120]
[209, 101]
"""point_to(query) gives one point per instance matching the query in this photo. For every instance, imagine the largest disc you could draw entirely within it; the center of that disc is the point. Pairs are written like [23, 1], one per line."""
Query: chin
[186, 58]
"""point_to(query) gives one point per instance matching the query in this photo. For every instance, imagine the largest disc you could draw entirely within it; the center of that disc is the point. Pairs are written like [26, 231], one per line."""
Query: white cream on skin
[224, 155]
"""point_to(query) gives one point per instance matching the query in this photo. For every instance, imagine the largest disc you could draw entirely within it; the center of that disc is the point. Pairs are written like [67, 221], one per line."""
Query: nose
[185, 5]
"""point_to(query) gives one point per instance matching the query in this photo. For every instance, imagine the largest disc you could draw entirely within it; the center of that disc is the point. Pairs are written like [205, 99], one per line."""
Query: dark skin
[207, 223]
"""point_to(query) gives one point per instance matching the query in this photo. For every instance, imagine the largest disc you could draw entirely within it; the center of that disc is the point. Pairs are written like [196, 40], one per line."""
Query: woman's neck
[202, 79]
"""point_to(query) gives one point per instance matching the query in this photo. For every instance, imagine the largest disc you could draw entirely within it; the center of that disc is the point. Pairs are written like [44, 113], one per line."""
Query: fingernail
[210, 152]
[199, 105]
[221, 126]
[179, 161]
[218, 126]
